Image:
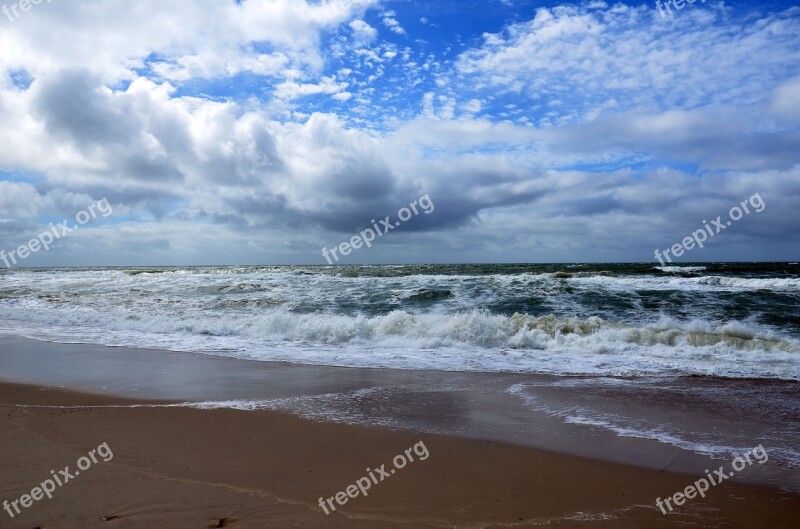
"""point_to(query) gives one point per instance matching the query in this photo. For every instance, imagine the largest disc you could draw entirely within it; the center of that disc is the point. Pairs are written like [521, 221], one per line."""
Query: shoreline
[185, 467]
[566, 415]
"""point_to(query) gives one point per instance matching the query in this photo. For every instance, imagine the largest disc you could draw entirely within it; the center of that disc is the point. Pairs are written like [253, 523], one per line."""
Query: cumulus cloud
[391, 22]
[363, 32]
[196, 39]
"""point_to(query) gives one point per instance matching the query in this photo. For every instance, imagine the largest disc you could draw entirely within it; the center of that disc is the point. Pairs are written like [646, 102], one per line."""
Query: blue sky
[261, 131]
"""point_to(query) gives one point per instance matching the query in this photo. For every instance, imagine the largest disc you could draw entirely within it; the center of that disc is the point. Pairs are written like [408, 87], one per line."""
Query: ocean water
[721, 320]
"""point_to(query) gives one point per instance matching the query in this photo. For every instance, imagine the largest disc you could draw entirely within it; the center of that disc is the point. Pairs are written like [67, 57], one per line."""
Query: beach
[179, 460]
[399, 264]
[178, 467]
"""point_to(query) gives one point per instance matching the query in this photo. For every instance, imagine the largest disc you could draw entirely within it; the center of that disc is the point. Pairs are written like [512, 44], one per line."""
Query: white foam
[471, 341]
[690, 269]
[691, 284]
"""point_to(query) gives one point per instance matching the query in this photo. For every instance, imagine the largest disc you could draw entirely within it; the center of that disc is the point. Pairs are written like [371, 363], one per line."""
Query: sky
[261, 131]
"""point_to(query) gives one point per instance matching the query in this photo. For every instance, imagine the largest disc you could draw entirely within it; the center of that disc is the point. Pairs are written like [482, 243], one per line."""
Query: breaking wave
[468, 341]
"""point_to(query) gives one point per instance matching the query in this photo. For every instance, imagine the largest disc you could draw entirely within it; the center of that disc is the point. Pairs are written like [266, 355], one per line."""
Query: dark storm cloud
[73, 104]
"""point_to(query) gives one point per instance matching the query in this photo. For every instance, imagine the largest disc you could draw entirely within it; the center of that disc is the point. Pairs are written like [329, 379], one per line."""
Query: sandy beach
[185, 467]
[177, 467]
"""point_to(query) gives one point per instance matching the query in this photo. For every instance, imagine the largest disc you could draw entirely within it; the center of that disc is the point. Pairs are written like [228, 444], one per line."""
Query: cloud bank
[260, 131]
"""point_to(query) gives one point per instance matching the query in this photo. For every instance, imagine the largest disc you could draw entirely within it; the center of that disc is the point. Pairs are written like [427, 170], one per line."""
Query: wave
[411, 285]
[681, 282]
[467, 341]
[145, 272]
[474, 328]
[771, 283]
[678, 269]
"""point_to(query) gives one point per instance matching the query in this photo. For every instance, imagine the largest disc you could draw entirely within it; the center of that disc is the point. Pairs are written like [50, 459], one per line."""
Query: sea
[728, 320]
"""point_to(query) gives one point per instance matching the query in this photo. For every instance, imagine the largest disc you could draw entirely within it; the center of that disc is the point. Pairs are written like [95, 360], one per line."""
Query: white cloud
[473, 106]
[590, 55]
[785, 103]
[292, 90]
[342, 96]
[363, 32]
[203, 39]
[391, 22]
[19, 200]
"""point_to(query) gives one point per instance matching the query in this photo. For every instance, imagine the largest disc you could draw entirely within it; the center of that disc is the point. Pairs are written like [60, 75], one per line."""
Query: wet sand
[493, 462]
